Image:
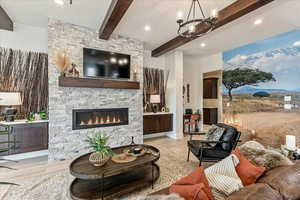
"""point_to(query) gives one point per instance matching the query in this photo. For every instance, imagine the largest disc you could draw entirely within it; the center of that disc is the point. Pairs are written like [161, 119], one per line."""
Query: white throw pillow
[222, 176]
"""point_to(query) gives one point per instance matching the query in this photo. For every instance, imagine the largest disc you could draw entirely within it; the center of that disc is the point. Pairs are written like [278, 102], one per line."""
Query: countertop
[23, 121]
[158, 113]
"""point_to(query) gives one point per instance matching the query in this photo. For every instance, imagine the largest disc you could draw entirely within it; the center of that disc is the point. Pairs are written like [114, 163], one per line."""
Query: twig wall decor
[27, 73]
[154, 84]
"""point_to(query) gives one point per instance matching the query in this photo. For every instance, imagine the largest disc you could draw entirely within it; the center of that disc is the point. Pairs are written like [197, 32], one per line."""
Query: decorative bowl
[97, 160]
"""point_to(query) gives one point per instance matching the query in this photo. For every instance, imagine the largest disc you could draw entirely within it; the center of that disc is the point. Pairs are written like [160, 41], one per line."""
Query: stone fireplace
[93, 118]
[67, 140]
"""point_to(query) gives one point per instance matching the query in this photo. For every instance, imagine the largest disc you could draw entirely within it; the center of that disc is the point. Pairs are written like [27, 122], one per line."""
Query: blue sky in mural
[279, 55]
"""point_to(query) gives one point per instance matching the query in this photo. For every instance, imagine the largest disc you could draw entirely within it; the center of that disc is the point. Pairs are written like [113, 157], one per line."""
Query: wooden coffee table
[113, 179]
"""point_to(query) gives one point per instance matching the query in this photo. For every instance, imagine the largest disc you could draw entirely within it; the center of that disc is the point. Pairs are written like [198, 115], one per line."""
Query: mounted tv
[103, 64]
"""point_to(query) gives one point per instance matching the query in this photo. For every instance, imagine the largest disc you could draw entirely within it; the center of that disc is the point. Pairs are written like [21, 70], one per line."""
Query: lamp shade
[155, 99]
[290, 142]
[10, 99]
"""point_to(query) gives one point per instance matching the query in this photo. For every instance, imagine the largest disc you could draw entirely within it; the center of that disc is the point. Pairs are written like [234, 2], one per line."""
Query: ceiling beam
[5, 22]
[114, 15]
[232, 12]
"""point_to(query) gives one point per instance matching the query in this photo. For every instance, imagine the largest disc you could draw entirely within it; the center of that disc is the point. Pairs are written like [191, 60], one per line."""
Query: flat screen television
[103, 64]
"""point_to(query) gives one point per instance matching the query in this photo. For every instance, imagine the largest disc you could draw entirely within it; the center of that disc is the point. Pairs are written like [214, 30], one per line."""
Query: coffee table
[113, 179]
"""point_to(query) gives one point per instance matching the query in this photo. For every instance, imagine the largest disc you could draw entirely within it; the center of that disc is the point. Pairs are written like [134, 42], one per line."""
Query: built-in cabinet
[210, 116]
[24, 137]
[210, 89]
[158, 123]
[210, 97]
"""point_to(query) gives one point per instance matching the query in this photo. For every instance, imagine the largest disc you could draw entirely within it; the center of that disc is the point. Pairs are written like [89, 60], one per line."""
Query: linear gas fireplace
[92, 118]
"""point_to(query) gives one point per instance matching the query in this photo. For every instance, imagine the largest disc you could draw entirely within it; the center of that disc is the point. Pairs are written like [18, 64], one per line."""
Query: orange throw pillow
[190, 192]
[247, 171]
[194, 178]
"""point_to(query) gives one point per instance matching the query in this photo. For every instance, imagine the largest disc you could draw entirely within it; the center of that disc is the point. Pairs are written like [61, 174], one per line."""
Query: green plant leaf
[7, 183]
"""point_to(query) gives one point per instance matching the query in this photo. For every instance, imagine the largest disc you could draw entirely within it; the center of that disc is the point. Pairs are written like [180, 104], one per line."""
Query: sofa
[281, 183]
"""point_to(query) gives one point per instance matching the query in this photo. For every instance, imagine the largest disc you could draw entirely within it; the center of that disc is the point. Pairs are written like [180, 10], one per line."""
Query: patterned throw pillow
[214, 134]
[222, 176]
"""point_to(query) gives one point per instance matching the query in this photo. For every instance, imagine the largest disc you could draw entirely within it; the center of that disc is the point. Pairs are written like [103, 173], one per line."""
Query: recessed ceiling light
[203, 44]
[258, 21]
[147, 28]
[59, 2]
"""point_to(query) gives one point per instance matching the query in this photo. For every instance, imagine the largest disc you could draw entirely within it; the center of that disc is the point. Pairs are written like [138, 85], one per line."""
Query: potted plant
[102, 152]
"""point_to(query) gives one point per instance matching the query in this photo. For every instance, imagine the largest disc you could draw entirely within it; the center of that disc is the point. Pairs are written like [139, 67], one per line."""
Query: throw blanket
[222, 177]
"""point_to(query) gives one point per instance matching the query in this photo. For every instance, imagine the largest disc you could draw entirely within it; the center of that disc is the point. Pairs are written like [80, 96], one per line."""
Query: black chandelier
[188, 28]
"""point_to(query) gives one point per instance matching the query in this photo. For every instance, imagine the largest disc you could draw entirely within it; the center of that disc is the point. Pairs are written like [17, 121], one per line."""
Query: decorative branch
[27, 73]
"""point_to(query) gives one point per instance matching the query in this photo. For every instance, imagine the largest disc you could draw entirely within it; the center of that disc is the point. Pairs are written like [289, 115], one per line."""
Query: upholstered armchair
[213, 151]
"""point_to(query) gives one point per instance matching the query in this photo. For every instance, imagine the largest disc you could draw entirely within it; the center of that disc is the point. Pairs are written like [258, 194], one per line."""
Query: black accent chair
[221, 150]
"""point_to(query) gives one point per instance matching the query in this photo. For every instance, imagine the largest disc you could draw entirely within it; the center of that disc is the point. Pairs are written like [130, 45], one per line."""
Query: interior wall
[25, 38]
[194, 68]
[174, 63]
[154, 62]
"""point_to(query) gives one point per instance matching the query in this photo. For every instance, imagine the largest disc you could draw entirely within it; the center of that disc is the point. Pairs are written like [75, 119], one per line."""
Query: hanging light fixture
[62, 2]
[188, 28]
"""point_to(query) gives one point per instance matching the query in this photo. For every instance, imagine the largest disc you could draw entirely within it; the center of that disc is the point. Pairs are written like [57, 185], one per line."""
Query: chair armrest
[197, 133]
[213, 142]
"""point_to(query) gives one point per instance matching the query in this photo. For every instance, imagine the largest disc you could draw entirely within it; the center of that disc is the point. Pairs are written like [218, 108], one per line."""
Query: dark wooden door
[210, 116]
[30, 137]
[151, 124]
[166, 123]
[210, 88]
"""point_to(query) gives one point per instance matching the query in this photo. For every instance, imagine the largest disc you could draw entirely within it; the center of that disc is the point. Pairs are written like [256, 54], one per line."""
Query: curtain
[27, 73]
[154, 85]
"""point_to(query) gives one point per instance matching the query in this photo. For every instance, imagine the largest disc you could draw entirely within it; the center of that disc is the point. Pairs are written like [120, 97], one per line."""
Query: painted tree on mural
[239, 77]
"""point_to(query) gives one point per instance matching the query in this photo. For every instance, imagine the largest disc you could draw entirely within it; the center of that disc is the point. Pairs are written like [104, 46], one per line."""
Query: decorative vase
[98, 160]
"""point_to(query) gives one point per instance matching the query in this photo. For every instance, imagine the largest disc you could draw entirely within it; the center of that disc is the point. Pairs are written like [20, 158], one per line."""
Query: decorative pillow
[159, 197]
[247, 171]
[223, 177]
[190, 192]
[257, 154]
[195, 178]
[214, 134]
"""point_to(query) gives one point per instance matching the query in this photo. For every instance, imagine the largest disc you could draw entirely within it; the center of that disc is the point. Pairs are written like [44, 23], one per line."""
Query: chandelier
[188, 28]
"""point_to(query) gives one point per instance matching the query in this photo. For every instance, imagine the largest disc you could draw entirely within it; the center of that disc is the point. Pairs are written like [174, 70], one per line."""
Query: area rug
[55, 186]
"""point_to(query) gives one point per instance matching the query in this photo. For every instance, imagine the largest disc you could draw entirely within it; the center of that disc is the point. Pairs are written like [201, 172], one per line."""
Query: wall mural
[261, 89]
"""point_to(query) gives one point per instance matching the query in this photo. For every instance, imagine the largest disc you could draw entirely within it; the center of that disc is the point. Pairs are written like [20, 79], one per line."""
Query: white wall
[194, 67]
[154, 62]
[25, 38]
[174, 63]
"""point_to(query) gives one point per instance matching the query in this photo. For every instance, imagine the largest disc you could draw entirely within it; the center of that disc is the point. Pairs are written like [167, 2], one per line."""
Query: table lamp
[155, 99]
[9, 99]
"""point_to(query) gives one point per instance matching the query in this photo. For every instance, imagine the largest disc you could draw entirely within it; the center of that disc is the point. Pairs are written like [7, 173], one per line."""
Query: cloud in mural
[276, 60]
[296, 44]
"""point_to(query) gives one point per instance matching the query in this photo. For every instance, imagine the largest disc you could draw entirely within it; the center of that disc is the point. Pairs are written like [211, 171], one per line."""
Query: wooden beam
[226, 15]
[5, 22]
[114, 15]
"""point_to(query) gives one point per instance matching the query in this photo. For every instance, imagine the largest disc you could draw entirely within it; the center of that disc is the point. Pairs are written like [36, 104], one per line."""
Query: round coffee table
[113, 179]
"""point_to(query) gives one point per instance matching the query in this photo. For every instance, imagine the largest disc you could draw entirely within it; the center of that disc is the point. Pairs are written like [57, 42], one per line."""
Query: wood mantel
[97, 83]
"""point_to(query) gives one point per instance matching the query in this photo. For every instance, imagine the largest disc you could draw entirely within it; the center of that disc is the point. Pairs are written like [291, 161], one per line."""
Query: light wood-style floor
[38, 167]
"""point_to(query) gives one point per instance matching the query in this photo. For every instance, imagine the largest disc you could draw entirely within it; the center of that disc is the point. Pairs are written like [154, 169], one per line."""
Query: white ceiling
[88, 13]
[161, 15]
[278, 17]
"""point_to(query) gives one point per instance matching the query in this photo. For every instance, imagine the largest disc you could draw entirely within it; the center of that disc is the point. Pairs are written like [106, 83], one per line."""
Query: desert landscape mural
[261, 89]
